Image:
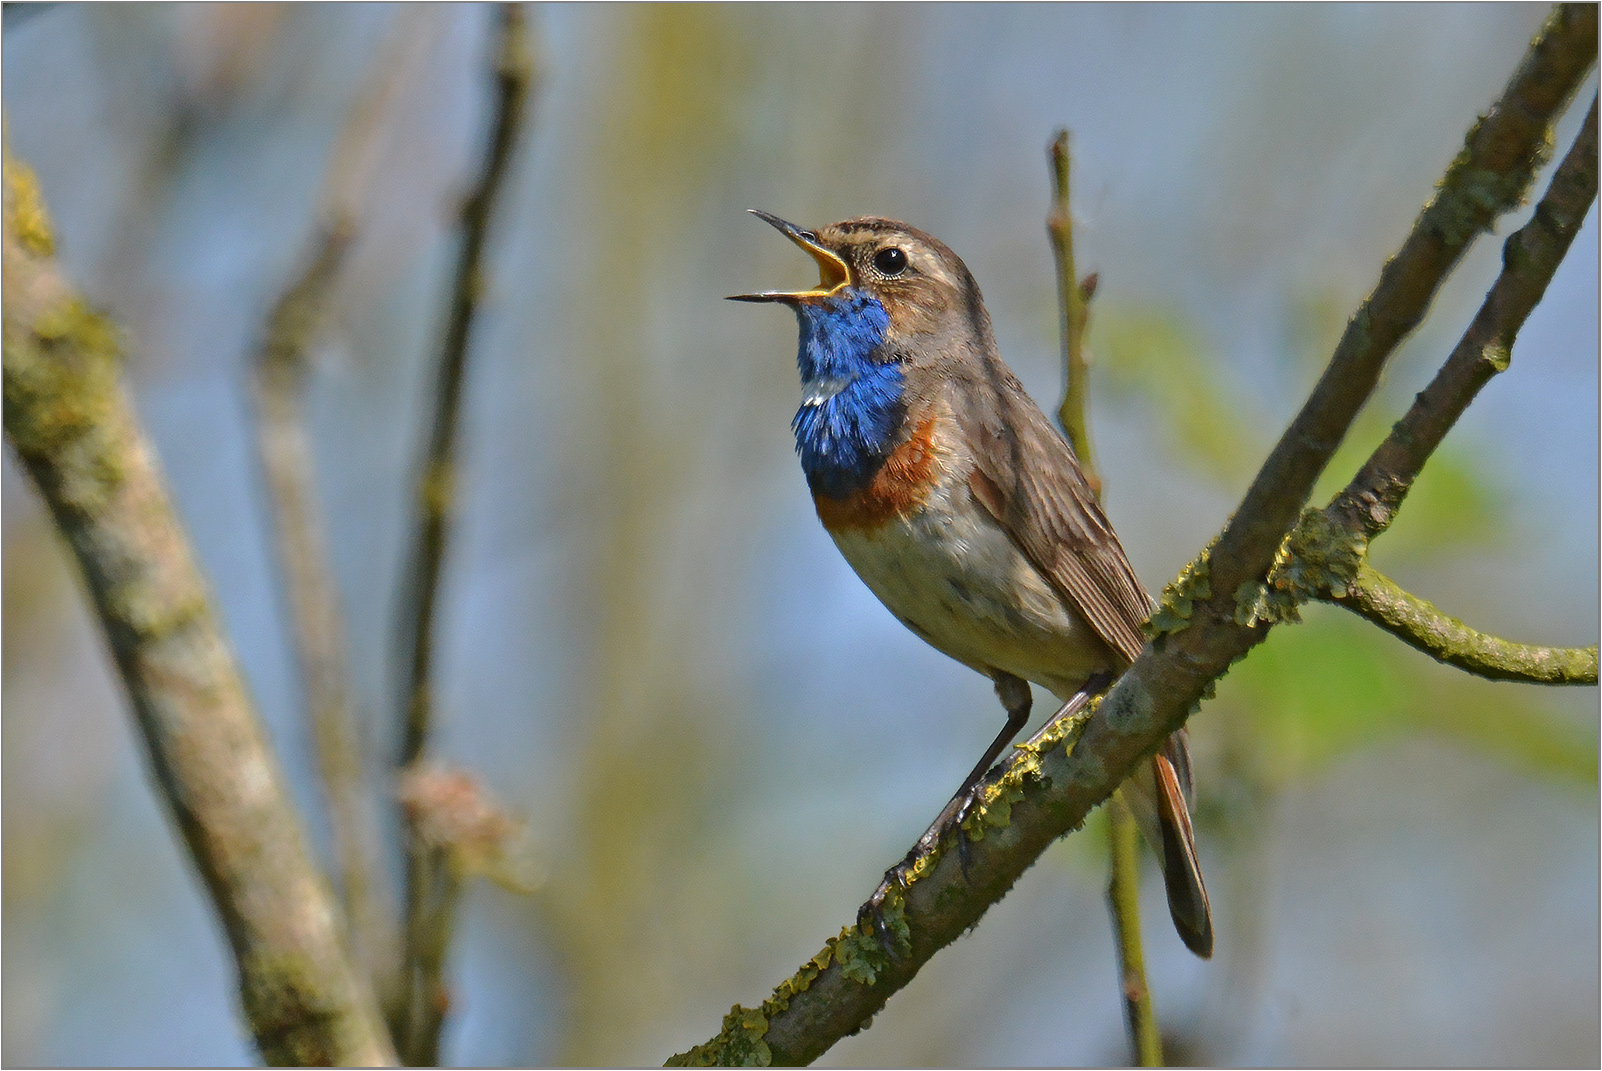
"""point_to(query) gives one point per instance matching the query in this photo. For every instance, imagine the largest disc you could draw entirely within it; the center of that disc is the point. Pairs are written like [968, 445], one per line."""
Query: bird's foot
[900, 877]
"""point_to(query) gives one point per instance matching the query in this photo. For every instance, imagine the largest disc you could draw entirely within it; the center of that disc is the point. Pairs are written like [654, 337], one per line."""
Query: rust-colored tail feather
[1187, 894]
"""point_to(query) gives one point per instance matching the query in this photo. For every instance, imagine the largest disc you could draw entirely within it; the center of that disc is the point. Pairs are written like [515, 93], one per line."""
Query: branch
[1530, 257]
[1419, 624]
[318, 634]
[285, 449]
[1045, 790]
[1123, 900]
[1123, 888]
[1499, 159]
[75, 430]
[423, 995]
[1326, 557]
[514, 74]
[1073, 304]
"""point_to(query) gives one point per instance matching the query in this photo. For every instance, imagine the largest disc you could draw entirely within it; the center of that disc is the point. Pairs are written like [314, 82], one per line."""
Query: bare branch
[1530, 257]
[1073, 308]
[75, 431]
[460, 832]
[1046, 790]
[1123, 887]
[514, 73]
[1123, 900]
[284, 445]
[428, 901]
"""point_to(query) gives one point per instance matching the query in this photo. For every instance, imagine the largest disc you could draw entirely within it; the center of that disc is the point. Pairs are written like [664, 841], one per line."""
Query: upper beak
[833, 271]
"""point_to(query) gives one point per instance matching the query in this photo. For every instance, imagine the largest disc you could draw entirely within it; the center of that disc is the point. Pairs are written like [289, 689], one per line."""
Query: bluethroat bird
[963, 510]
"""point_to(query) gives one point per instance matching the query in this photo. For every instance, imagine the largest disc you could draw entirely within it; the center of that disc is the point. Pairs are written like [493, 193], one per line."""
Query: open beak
[833, 272]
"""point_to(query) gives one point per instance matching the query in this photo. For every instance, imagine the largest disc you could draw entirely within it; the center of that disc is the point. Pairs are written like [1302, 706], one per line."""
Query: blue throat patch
[851, 404]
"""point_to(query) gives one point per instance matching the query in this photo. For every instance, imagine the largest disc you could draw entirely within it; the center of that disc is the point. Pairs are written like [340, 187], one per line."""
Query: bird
[962, 509]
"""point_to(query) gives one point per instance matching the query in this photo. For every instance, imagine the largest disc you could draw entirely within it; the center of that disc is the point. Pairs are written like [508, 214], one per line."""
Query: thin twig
[1421, 625]
[74, 429]
[1123, 900]
[284, 445]
[1044, 790]
[1074, 413]
[1073, 312]
[422, 987]
[433, 499]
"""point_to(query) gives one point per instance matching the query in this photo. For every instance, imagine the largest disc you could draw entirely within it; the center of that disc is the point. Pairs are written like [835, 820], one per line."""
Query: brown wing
[1027, 477]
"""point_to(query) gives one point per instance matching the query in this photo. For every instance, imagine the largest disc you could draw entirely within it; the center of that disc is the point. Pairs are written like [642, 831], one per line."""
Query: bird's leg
[1095, 685]
[1015, 697]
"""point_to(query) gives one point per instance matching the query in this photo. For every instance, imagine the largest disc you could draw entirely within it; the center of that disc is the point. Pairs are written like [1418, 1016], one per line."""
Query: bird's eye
[890, 261]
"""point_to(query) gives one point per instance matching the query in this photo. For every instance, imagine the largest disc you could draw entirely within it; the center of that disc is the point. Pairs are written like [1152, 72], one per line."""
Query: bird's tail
[1159, 796]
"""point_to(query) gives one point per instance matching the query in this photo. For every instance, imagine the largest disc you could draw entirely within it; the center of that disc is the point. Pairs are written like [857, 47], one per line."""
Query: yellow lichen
[29, 220]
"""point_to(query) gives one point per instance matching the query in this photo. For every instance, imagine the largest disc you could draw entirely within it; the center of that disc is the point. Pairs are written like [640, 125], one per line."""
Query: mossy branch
[1419, 624]
[1046, 790]
[423, 995]
[74, 429]
[1500, 156]
[1367, 506]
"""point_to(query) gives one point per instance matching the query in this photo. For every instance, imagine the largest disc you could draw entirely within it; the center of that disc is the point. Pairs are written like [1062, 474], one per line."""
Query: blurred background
[648, 646]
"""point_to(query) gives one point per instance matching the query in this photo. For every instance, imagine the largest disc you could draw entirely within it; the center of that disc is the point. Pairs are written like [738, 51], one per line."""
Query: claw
[964, 845]
[950, 820]
[872, 912]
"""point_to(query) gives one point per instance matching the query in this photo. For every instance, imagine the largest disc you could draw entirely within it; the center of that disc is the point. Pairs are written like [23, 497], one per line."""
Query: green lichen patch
[1065, 731]
[63, 402]
[1317, 559]
[1470, 196]
[994, 810]
[1180, 596]
[858, 951]
[739, 1044]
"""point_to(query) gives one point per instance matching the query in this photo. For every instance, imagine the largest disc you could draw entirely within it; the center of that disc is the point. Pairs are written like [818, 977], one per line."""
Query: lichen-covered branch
[1335, 542]
[1489, 176]
[422, 986]
[75, 431]
[1419, 624]
[1046, 790]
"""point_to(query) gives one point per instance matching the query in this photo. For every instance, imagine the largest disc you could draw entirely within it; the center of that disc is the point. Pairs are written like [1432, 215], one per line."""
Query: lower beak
[833, 271]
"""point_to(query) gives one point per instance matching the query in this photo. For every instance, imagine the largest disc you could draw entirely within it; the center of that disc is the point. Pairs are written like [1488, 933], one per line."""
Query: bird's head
[921, 286]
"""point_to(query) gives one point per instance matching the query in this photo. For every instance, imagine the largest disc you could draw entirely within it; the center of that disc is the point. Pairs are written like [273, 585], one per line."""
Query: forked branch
[1047, 790]
[75, 431]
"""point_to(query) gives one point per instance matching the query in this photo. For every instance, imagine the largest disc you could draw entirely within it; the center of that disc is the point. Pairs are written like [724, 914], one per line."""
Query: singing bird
[958, 504]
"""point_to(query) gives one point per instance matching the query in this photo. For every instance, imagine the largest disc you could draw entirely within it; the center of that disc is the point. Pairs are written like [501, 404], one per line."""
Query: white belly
[952, 575]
